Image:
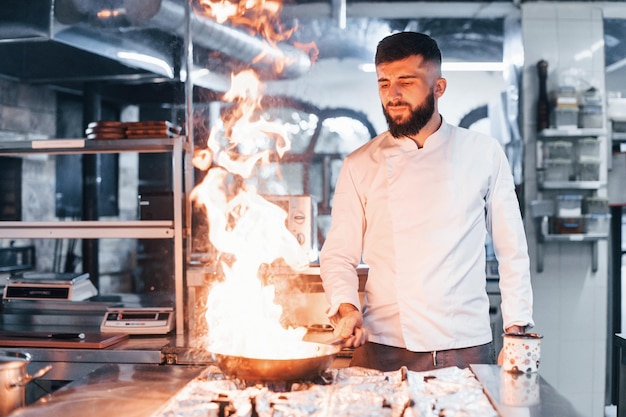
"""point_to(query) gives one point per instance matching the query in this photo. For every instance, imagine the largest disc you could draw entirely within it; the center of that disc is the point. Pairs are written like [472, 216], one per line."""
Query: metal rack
[140, 229]
[581, 185]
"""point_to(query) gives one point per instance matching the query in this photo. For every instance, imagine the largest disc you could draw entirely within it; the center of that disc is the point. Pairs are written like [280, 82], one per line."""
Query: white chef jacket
[419, 219]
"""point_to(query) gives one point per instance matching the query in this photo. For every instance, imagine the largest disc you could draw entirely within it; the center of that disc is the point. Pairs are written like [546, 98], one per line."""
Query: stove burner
[344, 392]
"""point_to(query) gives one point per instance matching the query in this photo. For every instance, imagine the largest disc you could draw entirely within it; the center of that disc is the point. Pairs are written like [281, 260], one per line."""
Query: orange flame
[241, 315]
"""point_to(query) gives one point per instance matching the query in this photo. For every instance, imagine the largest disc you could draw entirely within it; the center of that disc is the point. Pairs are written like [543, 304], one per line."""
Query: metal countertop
[141, 390]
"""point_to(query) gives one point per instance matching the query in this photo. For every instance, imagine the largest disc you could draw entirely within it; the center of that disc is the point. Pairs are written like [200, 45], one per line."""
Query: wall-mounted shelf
[591, 238]
[585, 185]
[571, 185]
[571, 133]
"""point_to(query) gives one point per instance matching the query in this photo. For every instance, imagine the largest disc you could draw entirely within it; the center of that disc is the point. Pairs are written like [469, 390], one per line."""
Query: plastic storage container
[588, 148]
[558, 169]
[568, 225]
[597, 223]
[595, 205]
[569, 205]
[589, 170]
[566, 117]
[591, 117]
[558, 149]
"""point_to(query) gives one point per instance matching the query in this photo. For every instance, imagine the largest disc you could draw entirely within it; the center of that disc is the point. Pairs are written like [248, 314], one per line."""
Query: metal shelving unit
[139, 229]
[590, 187]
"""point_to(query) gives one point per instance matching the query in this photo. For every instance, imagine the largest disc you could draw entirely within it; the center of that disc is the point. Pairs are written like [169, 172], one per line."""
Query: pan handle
[26, 379]
[334, 341]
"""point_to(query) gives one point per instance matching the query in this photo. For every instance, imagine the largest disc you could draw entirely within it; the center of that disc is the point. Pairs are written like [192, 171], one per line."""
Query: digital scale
[50, 286]
[139, 320]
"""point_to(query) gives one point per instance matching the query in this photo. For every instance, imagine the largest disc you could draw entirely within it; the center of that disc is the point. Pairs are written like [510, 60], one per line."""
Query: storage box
[589, 170]
[566, 117]
[595, 205]
[568, 225]
[558, 169]
[591, 117]
[569, 205]
[558, 149]
[588, 148]
[540, 208]
[597, 223]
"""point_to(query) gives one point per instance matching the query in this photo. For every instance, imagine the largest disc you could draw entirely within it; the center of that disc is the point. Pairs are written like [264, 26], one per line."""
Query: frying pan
[258, 369]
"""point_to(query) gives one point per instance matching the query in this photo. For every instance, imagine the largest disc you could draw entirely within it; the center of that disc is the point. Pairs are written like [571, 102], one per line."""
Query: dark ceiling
[75, 48]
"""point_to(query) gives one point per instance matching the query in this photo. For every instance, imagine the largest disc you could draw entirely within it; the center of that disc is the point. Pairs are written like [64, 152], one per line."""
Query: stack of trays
[132, 130]
[155, 129]
[106, 130]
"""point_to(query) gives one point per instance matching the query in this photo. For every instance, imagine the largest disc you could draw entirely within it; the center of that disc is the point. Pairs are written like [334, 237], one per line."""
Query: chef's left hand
[513, 330]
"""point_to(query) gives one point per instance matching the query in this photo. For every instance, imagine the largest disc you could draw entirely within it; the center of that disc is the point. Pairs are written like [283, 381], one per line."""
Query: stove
[338, 392]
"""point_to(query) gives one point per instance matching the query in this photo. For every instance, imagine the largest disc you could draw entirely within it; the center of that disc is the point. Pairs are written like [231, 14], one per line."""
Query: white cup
[521, 353]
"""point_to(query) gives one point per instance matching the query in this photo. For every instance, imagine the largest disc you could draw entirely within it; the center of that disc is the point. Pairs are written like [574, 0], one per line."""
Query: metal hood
[139, 34]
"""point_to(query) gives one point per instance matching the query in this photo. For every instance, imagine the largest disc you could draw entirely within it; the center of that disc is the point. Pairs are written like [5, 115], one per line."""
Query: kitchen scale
[49, 286]
[138, 320]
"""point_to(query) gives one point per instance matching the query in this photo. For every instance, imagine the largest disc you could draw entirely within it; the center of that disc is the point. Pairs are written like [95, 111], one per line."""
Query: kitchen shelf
[95, 229]
[590, 188]
[103, 229]
[571, 133]
[571, 185]
[592, 238]
[89, 146]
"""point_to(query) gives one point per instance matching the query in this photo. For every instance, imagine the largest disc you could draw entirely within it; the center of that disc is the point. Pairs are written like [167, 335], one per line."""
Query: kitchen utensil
[260, 369]
[13, 380]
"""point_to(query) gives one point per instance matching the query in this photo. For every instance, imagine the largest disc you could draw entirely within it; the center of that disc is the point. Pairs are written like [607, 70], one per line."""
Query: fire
[256, 16]
[246, 230]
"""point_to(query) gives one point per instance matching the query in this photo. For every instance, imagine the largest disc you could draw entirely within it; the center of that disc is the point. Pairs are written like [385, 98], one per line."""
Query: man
[415, 204]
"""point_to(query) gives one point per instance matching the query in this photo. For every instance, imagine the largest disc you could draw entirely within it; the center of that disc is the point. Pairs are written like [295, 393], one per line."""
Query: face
[408, 90]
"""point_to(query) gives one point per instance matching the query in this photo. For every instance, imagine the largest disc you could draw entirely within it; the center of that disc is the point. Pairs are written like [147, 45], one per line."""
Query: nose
[395, 91]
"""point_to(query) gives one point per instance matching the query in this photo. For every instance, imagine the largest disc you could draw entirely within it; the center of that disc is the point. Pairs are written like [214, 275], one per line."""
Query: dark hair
[405, 44]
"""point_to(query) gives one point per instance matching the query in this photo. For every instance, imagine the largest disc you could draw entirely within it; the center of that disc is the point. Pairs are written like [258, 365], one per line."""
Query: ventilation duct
[169, 16]
[143, 34]
[132, 17]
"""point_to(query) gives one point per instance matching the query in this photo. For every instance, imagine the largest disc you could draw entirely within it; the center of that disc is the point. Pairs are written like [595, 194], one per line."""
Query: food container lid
[559, 161]
[572, 197]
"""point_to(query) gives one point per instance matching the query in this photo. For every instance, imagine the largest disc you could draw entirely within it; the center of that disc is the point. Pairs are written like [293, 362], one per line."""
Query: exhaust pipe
[169, 16]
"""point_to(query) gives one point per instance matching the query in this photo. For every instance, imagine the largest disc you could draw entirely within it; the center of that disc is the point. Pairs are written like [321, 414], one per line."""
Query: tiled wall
[570, 299]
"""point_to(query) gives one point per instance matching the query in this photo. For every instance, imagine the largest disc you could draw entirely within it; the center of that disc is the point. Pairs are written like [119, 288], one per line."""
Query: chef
[415, 204]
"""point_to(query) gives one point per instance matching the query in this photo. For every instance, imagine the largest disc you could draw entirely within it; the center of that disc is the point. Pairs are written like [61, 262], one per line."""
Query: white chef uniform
[418, 218]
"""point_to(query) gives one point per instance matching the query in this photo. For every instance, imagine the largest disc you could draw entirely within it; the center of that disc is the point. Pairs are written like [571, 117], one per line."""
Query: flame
[257, 17]
[245, 229]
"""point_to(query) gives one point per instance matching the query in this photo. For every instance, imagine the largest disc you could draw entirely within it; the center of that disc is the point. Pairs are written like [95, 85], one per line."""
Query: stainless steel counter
[115, 390]
[549, 402]
[140, 390]
[71, 364]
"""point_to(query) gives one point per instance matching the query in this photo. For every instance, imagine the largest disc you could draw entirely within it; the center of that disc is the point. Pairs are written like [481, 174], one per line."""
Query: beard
[418, 119]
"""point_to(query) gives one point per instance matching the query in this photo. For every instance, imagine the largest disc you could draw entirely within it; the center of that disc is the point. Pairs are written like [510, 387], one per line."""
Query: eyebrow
[401, 77]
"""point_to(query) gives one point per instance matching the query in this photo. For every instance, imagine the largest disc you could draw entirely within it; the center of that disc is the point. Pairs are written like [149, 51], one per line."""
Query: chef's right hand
[349, 326]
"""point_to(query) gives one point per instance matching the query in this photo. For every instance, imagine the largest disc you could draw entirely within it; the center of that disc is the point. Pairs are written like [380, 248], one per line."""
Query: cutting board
[39, 339]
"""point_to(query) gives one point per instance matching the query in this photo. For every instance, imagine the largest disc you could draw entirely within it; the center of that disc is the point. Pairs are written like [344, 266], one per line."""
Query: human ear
[440, 86]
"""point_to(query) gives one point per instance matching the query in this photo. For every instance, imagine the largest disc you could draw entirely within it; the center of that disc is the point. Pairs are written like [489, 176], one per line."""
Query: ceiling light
[453, 66]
